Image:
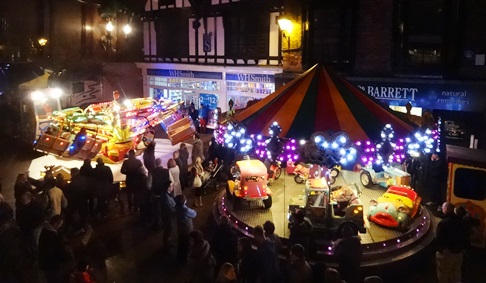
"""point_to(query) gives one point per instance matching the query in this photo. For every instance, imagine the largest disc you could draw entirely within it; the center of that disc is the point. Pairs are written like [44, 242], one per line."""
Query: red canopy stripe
[347, 121]
[326, 118]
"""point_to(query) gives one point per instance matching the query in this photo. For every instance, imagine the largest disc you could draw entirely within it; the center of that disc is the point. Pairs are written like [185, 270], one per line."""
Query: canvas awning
[321, 100]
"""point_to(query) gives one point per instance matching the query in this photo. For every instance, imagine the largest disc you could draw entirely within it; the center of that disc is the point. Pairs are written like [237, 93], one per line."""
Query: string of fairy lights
[337, 148]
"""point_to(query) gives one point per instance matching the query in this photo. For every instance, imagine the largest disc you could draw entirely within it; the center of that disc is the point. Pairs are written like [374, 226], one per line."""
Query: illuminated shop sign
[442, 95]
[184, 74]
[255, 78]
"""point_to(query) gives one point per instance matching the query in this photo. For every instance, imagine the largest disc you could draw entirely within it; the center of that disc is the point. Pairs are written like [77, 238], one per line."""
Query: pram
[213, 180]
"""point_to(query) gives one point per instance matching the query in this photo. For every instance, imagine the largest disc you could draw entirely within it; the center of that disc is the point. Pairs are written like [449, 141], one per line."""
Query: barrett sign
[440, 95]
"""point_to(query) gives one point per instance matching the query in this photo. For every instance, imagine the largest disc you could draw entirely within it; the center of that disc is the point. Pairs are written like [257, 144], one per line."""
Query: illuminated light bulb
[127, 29]
[302, 142]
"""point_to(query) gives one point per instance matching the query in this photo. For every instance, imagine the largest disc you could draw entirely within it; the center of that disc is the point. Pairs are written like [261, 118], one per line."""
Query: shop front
[460, 104]
[211, 86]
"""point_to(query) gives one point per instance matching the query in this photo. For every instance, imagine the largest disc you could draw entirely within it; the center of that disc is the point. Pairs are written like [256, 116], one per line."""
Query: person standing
[184, 216]
[184, 156]
[161, 181]
[88, 173]
[197, 149]
[201, 260]
[436, 175]
[268, 265]
[130, 169]
[175, 172]
[104, 182]
[452, 239]
[77, 195]
[182, 174]
[53, 254]
[21, 186]
[29, 218]
[149, 156]
[248, 257]
[269, 229]
[196, 184]
[194, 114]
[298, 269]
[300, 230]
[57, 200]
[225, 242]
[348, 253]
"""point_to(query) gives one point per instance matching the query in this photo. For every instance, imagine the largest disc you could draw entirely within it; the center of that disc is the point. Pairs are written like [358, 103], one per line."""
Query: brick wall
[374, 37]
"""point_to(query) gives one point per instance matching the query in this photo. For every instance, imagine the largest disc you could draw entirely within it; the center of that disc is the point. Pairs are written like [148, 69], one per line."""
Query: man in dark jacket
[225, 242]
[29, 218]
[52, 251]
[77, 195]
[300, 230]
[104, 180]
[130, 169]
[268, 264]
[452, 238]
[88, 173]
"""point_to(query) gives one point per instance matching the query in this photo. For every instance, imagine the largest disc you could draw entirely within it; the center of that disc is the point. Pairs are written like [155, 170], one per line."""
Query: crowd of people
[49, 211]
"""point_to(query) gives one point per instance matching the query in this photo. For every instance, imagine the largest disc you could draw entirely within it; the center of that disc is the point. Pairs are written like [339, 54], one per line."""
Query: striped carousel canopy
[321, 100]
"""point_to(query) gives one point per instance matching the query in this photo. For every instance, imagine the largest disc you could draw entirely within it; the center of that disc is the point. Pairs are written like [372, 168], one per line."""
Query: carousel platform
[381, 245]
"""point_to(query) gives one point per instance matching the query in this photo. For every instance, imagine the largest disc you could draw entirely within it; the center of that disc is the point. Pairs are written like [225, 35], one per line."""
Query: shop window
[470, 184]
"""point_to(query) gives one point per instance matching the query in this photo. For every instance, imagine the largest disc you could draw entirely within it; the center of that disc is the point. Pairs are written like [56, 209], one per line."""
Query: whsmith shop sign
[441, 95]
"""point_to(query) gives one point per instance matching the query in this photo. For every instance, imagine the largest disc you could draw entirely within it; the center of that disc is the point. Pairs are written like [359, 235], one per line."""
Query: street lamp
[107, 38]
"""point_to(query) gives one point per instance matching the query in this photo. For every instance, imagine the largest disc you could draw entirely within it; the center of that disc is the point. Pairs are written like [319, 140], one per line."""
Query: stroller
[213, 180]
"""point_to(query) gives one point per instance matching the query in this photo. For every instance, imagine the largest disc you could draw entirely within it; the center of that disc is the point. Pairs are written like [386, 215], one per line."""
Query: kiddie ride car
[330, 209]
[304, 171]
[396, 208]
[388, 177]
[250, 183]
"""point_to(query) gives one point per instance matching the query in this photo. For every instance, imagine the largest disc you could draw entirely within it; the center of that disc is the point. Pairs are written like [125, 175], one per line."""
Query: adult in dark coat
[167, 205]
[182, 175]
[77, 195]
[29, 217]
[225, 242]
[21, 186]
[248, 258]
[184, 216]
[53, 253]
[452, 240]
[349, 253]
[130, 169]
[104, 180]
[436, 176]
[268, 262]
[149, 156]
[300, 230]
[88, 173]
[184, 157]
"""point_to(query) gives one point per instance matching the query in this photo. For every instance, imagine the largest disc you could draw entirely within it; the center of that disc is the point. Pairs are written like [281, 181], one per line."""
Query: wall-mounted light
[42, 41]
[286, 26]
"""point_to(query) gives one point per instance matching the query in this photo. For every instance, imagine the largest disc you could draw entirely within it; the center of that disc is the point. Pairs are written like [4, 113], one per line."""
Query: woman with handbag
[196, 184]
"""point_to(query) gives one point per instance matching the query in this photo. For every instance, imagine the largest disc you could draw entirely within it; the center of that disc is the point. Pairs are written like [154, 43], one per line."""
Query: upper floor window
[420, 33]
[247, 36]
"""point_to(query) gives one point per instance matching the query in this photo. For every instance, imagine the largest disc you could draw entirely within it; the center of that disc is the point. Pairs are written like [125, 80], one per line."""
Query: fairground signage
[442, 95]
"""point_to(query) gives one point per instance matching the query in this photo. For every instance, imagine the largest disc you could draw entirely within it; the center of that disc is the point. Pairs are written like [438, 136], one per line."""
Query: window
[470, 184]
[420, 29]
[332, 38]
[247, 36]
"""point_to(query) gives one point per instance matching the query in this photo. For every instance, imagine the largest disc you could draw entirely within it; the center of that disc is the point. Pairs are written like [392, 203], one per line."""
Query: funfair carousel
[338, 161]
